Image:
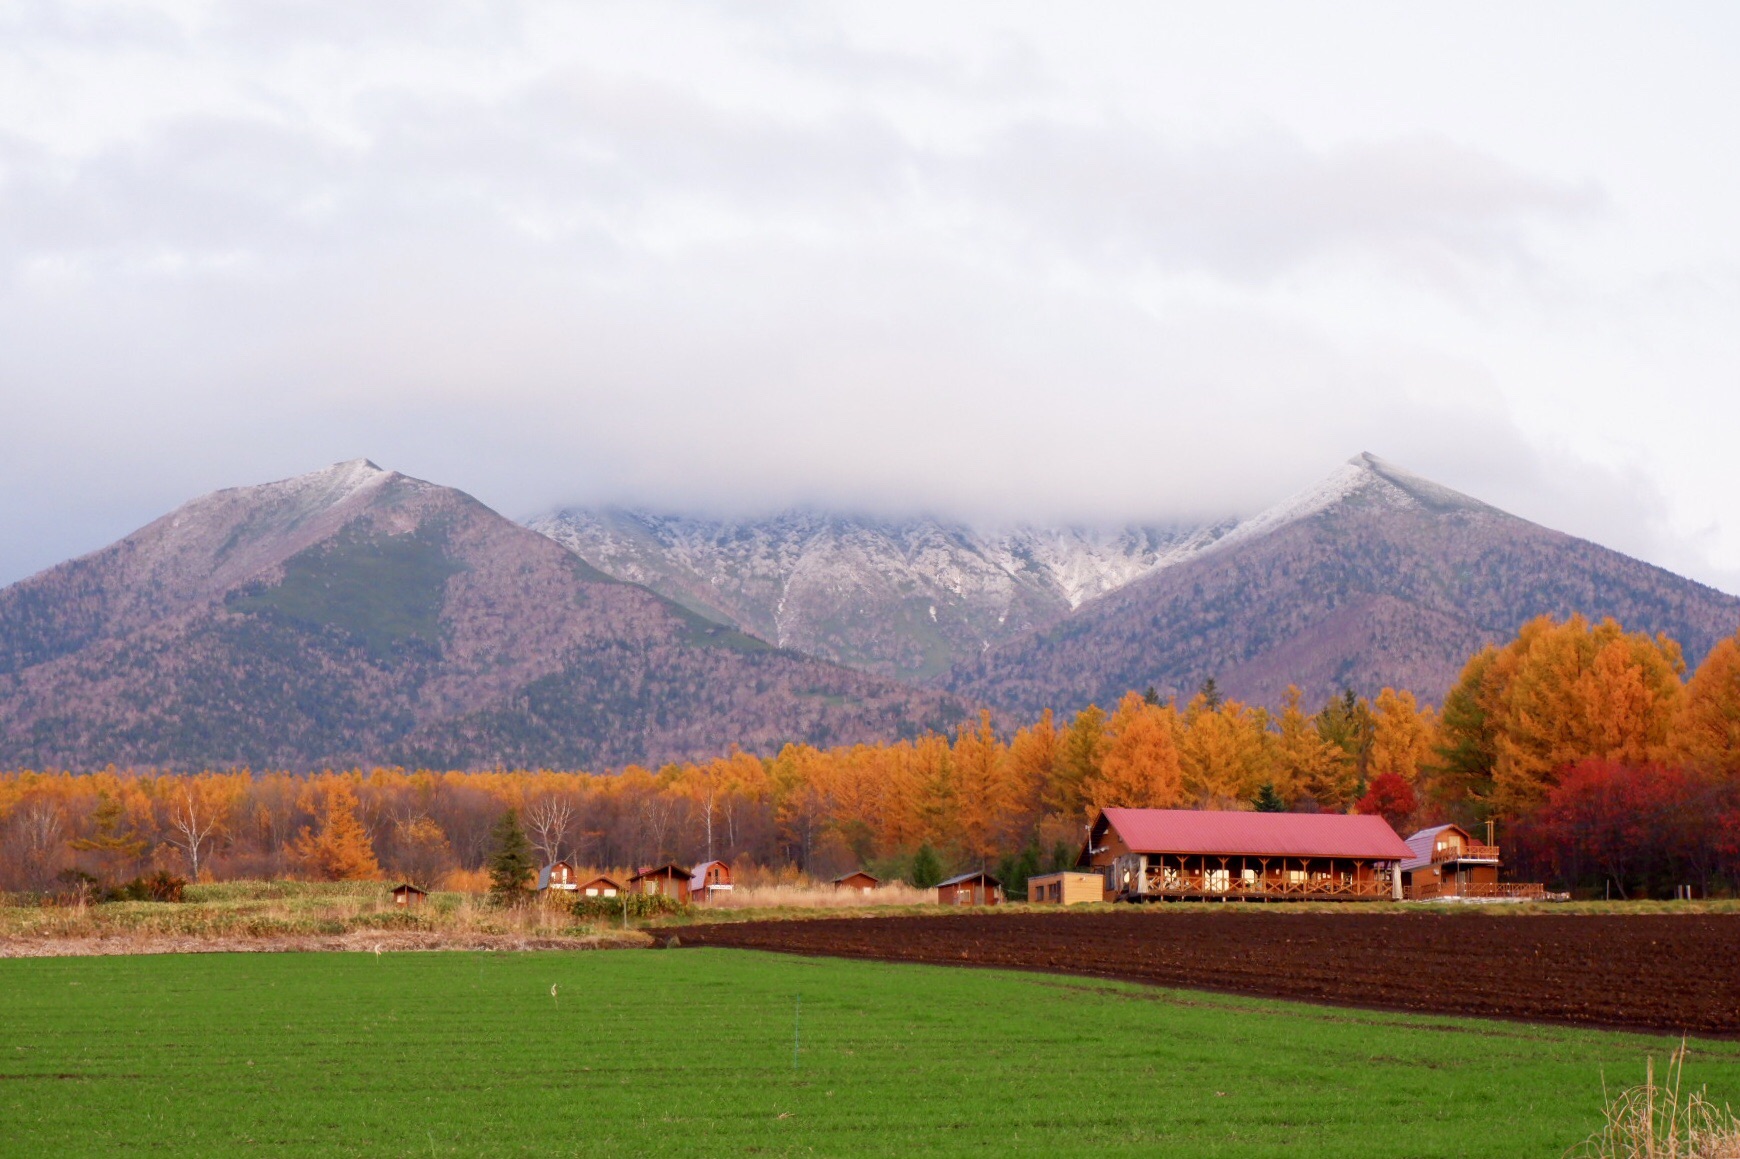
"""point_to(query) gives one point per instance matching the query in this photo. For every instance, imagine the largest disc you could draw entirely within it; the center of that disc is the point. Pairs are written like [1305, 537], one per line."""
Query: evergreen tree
[1269, 801]
[1210, 693]
[1062, 857]
[1014, 871]
[927, 869]
[510, 865]
[1152, 696]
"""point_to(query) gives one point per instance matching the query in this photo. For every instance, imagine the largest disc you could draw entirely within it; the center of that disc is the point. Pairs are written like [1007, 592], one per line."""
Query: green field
[691, 1052]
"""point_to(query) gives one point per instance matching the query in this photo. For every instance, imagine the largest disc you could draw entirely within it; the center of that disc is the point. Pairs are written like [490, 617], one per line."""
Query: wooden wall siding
[1066, 888]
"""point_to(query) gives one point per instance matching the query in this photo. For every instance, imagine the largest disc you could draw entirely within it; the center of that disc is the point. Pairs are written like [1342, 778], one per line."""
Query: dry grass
[293, 915]
[1663, 1121]
[819, 897]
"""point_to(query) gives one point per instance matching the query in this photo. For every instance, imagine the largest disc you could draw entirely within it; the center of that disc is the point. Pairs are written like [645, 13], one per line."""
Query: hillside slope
[900, 598]
[1374, 577]
[356, 615]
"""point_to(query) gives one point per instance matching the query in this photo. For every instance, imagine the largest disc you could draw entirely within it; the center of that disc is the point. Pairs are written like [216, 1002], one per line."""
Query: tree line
[1587, 745]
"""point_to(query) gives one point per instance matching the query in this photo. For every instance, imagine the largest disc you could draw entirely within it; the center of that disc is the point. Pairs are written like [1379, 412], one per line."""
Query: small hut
[670, 879]
[602, 885]
[406, 894]
[708, 879]
[1066, 888]
[970, 889]
[857, 881]
[559, 876]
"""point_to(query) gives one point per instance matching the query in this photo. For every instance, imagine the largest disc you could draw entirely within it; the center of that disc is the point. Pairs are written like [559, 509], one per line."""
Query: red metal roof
[1261, 834]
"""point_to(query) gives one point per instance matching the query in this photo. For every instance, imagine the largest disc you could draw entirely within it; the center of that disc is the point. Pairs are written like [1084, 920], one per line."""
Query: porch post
[1395, 881]
[1142, 874]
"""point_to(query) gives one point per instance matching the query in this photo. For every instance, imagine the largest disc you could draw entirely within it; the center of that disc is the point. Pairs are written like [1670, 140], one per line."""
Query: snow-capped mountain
[354, 615]
[906, 598]
[1372, 577]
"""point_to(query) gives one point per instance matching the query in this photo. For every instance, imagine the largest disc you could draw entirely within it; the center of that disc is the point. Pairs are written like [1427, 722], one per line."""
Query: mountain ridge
[1372, 577]
[359, 615]
[900, 598]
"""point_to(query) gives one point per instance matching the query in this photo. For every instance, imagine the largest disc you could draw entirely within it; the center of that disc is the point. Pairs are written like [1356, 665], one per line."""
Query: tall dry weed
[1662, 1121]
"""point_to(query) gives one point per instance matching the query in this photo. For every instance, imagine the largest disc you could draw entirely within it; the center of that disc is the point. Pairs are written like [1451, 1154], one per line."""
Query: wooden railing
[1466, 853]
[1504, 889]
[1192, 885]
[1522, 889]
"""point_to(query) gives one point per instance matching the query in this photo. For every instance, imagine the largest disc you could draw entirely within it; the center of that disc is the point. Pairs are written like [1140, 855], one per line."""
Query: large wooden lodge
[1179, 854]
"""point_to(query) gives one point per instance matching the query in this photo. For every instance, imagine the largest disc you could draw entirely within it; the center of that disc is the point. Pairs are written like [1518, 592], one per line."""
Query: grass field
[691, 1052]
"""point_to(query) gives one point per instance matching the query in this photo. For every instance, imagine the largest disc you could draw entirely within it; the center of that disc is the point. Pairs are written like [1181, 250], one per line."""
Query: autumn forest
[1602, 762]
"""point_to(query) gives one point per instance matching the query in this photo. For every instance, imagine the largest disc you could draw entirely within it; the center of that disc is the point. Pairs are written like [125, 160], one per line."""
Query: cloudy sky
[1087, 262]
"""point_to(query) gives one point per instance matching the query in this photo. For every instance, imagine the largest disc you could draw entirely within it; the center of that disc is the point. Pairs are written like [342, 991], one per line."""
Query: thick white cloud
[996, 262]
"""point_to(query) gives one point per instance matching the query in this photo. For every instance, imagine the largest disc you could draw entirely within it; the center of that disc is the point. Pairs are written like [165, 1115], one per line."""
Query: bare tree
[193, 821]
[37, 828]
[547, 822]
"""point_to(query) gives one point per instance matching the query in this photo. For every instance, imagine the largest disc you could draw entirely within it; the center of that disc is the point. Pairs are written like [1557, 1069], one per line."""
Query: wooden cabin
[602, 885]
[857, 881]
[1187, 854]
[407, 894]
[670, 879]
[558, 876]
[1448, 862]
[1066, 888]
[970, 889]
[709, 879]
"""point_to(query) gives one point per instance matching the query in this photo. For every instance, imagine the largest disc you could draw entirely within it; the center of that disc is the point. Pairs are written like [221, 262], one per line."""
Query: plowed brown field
[1648, 972]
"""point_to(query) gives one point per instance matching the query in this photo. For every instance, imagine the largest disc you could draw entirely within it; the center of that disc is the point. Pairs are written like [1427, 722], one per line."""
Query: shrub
[160, 886]
[640, 905]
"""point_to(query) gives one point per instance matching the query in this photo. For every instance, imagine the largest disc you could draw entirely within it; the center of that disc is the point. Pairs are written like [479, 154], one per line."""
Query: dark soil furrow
[1646, 972]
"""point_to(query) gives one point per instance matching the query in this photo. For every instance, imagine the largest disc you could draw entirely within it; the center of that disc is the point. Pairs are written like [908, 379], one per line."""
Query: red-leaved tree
[1390, 796]
[1644, 828]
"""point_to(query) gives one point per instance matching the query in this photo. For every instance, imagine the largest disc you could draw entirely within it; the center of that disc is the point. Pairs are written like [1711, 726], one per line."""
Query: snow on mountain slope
[905, 598]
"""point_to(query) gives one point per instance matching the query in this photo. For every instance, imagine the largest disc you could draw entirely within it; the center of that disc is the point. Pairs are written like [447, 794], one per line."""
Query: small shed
[1067, 888]
[406, 894]
[708, 879]
[970, 889]
[559, 875]
[857, 881]
[602, 885]
[670, 879]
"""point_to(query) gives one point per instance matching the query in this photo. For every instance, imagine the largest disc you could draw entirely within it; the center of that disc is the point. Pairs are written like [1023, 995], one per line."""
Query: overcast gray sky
[1088, 262]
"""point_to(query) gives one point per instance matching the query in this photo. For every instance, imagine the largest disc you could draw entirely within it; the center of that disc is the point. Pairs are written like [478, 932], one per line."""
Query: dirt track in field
[1677, 973]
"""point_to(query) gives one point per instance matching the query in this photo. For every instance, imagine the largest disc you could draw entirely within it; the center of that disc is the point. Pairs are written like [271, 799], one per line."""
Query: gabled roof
[595, 879]
[409, 888]
[1423, 841]
[668, 869]
[1193, 831]
[544, 873]
[698, 879]
[857, 873]
[964, 877]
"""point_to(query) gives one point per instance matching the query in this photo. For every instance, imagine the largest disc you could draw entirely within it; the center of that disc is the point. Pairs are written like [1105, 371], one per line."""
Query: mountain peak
[1364, 480]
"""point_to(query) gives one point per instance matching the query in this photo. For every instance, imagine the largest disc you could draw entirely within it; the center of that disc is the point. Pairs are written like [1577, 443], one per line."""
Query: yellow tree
[1084, 746]
[341, 850]
[1306, 764]
[1224, 752]
[1580, 691]
[982, 797]
[1402, 735]
[1139, 768]
[1033, 759]
[1706, 733]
